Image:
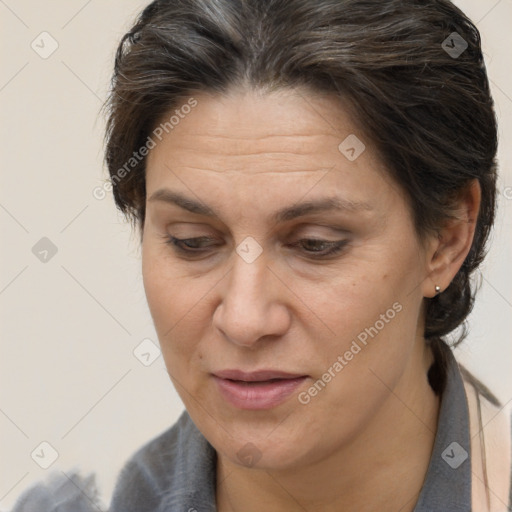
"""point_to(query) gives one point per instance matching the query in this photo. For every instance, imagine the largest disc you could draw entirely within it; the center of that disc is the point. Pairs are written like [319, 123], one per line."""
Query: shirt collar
[448, 481]
[193, 485]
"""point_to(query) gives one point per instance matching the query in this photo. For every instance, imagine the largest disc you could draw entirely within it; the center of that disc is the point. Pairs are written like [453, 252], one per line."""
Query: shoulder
[491, 445]
[140, 486]
[151, 471]
[62, 492]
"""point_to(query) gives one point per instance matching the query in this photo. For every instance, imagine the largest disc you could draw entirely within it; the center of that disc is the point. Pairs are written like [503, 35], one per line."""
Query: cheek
[179, 309]
[171, 302]
[357, 293]
[371, 310]
[168, 292]
[157, 285]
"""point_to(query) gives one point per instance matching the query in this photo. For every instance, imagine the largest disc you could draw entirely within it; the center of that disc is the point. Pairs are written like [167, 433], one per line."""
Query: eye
[186, 245]
[331, 247]
[189, 246]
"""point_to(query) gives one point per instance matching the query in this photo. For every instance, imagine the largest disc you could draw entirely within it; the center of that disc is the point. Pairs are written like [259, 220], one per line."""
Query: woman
[314, 183]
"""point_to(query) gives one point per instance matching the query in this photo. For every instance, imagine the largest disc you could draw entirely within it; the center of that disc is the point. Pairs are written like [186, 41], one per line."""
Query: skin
[364, 442]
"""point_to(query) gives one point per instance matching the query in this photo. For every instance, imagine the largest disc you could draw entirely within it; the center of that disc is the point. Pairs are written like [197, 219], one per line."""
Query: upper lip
[257, 376]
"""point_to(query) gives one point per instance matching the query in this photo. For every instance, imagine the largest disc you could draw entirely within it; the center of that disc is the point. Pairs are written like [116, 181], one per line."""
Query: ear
[448, 249]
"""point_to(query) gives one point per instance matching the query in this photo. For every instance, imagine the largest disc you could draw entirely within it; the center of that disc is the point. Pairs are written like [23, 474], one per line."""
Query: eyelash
[335, 247]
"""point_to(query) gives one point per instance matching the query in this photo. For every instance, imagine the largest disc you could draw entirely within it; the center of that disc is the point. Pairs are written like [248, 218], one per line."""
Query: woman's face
[257, 294]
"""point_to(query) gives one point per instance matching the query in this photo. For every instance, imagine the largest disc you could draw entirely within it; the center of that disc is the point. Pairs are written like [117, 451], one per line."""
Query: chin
[264, 457]
[266, 452]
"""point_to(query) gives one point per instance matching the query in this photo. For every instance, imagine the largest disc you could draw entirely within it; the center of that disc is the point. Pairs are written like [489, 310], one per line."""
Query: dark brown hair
[427, 110]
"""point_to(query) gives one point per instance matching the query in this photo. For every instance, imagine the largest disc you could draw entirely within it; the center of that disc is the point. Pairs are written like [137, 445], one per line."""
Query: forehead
[244, 122]
[265, 146]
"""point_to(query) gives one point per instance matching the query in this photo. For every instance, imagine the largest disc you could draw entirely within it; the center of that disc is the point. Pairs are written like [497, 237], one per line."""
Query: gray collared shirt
[176, 471]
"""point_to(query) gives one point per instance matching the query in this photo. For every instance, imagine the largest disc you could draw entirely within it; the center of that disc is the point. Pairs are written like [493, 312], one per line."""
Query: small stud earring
[438, 289]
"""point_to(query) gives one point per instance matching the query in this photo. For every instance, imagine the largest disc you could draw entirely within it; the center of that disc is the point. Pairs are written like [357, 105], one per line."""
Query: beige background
[69, 326]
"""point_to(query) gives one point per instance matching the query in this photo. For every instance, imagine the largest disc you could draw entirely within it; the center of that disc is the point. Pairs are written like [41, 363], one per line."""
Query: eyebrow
[285, 214]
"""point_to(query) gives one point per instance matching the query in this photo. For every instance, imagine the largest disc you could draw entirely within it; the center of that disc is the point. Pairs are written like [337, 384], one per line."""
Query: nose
[253, 303]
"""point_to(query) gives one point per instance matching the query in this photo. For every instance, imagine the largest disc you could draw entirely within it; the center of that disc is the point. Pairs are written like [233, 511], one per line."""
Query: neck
[382, 469]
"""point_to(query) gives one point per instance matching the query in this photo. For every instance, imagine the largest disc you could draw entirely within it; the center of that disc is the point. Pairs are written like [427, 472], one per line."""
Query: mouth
[260, 390]
[257, 376]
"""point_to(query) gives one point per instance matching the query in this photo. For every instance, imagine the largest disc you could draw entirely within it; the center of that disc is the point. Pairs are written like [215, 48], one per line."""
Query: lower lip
[257, 395]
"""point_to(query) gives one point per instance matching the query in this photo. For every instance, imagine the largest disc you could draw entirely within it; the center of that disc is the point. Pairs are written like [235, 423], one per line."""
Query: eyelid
[297, 232]
[333, 247]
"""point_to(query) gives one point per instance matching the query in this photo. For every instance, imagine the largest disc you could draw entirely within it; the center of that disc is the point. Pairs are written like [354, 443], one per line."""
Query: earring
[438, 289]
